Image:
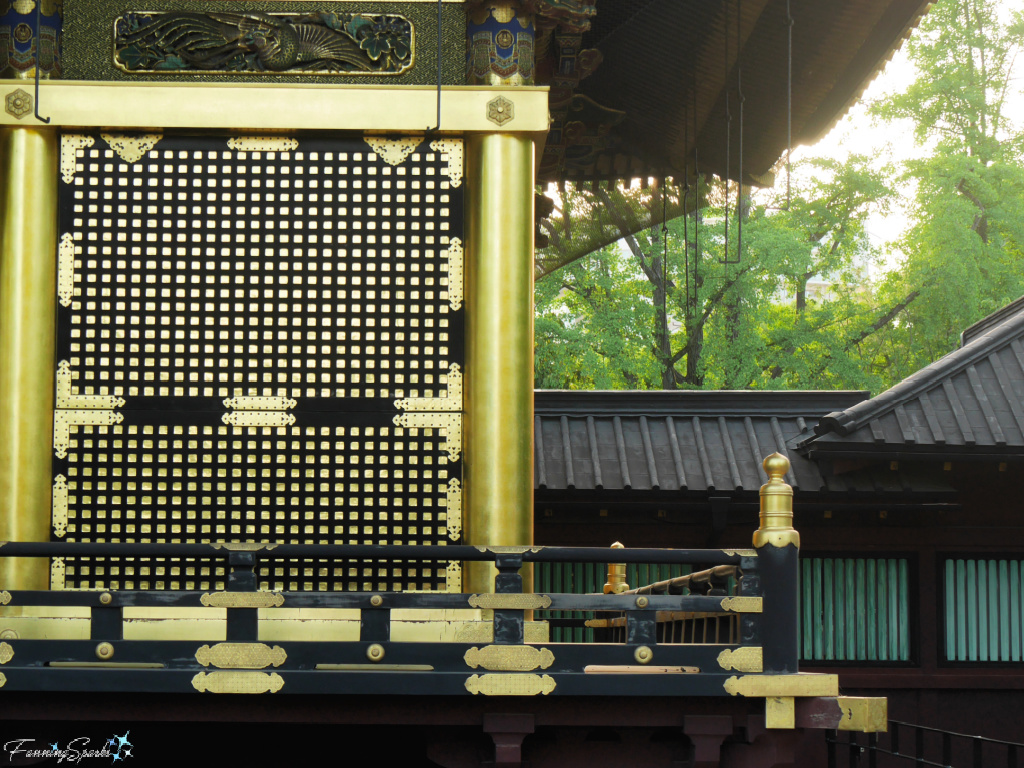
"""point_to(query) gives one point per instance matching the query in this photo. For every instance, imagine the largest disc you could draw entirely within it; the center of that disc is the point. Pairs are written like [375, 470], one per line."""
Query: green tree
[667, 309]
[964, 246]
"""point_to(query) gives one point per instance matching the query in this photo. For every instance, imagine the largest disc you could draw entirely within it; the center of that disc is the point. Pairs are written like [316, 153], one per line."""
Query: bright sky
[859, 133]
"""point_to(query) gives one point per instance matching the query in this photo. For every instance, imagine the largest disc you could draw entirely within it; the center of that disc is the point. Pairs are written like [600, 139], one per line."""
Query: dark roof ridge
[998, 317]
[989, 341]
[694, 402]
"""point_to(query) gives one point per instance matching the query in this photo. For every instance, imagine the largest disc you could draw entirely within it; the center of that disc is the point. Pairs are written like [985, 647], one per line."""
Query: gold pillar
[28, 293]
[498, 391]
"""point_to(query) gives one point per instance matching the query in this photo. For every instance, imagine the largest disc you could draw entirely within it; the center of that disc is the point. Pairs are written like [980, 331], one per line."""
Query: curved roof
[669, 66]
[968, 404]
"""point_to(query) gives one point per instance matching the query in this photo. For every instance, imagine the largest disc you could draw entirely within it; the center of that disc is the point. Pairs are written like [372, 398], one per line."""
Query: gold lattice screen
[259, 339]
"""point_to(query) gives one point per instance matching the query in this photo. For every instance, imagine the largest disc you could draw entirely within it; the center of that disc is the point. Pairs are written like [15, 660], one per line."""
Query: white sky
[858, 133]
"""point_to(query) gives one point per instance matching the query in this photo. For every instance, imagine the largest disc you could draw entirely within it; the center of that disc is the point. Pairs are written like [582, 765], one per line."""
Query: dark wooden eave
[665, 65]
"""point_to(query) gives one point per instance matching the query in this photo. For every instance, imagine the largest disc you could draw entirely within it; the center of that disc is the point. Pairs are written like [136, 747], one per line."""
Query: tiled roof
[969, 404]
[674, 441]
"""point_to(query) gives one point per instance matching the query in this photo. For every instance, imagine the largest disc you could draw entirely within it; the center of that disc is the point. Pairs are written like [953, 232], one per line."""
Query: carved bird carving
[210, 40]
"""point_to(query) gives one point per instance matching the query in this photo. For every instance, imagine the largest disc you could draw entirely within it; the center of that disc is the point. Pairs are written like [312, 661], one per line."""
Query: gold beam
[498, 447]
[28, 306]
[282, 107]
[864, 714]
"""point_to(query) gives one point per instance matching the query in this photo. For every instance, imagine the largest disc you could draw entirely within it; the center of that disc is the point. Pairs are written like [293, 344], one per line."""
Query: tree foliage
[804, 305]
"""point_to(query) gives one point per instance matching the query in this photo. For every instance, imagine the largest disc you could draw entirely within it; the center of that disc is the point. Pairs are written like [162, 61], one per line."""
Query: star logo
[122, 746]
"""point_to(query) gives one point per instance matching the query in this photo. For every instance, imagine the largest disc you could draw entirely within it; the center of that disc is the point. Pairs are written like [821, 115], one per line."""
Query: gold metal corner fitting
[451, 423]
[450, 403]
[740, 552]
[742, 604]
[453, 506]
[69, 146]
[237, 682]
[509, 658]
[510, 685]
[131, 147]
[452, 150]
[71, 410]
[393, 151]
[763, 686]
[747, 659]
[242, 599]
[241, 656]
[510, 601]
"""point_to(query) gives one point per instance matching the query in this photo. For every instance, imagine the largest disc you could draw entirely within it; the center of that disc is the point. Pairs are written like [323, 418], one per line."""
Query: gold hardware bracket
[237, 682]
[515, 601]
[747, 659]
[6, 653]
[509, 658]
[742, 604]
[263, 143]
[242, 599]
[243, 546]
[510, 685]
[241, 655]
[763, 686]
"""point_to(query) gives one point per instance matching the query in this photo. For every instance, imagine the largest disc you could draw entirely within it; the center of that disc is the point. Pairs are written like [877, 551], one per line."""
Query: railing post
[778, 548]
[616, 583]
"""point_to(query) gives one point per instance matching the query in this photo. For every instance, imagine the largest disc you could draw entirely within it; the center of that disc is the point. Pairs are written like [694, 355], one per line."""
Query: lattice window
[240, 333]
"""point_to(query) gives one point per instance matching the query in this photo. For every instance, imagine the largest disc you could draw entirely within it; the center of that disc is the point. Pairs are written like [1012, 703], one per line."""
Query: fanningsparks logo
[116, 748]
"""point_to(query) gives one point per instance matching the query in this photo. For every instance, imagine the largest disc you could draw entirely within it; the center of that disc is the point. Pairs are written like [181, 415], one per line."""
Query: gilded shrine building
[267, 425]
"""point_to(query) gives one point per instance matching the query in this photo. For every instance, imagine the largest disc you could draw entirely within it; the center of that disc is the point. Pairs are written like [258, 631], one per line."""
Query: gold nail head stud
[641, 602]
[104, 651]
[105, 598]
[376, 601]
[375, 652]
[643, 654]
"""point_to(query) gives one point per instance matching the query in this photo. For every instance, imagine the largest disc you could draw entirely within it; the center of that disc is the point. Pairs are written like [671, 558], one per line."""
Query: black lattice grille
[257, 315]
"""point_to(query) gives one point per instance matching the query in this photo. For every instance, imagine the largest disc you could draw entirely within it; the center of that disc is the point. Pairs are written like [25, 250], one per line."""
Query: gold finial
[616, 583]
[776, 506]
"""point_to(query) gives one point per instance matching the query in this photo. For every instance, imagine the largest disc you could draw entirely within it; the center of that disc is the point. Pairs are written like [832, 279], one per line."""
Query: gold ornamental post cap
[776, 506]
[616, 583]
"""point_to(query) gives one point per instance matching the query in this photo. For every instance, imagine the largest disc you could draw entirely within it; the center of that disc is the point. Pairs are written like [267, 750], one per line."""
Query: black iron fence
[909, 744]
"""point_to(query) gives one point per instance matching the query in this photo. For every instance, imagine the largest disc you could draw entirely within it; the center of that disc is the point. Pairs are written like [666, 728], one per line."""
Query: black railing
[906, 743]
[234, 657]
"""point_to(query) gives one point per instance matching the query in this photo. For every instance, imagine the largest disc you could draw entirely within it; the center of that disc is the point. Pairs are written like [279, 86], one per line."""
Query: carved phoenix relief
[316, 43]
